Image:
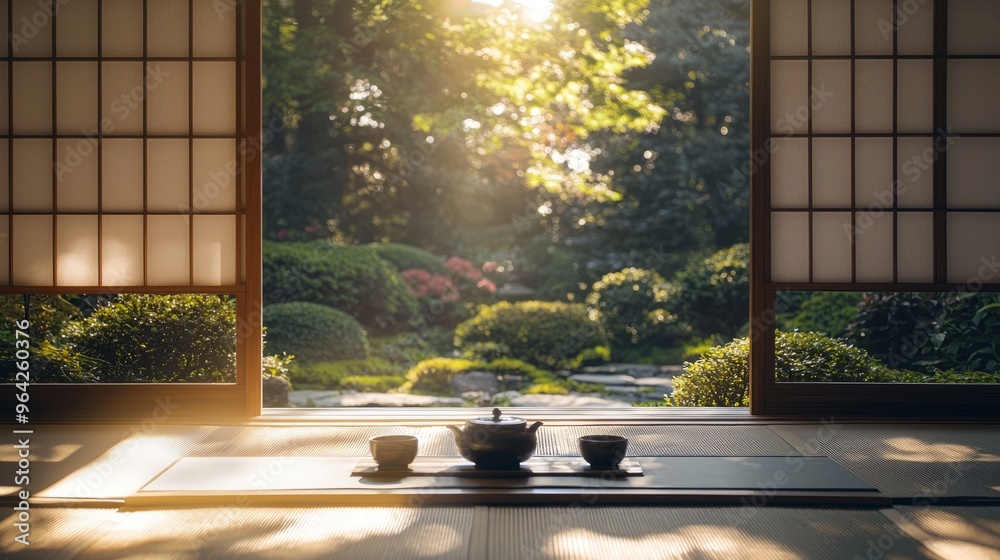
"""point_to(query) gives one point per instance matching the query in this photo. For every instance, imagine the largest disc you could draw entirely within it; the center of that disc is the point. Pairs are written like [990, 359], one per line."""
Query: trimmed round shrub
[433, 375]
[721, 376]
[313, 332]
[331, 375]
[632, 306]
[486, 351]
[158, 338]
[406, 257]
[546, 334]
[714, 295]
[350, 278]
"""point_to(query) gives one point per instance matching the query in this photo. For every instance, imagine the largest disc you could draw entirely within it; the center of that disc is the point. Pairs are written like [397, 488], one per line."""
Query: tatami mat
[958, 533]
[497, 533]
[57, 451]
[119, 469]
[56, 534]
[254, 533]
[672, 441]
[703, 533]
[904, 460]
[284, 441]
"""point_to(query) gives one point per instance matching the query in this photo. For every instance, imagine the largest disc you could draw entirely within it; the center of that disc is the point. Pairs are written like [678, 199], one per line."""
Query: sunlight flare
[536, 10]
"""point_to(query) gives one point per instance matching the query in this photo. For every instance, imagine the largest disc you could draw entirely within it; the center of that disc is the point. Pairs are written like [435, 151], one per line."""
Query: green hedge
[547, 334]
[714, 295]
[158, 338]
[633, 305]
[721, 376]
[927, 332]
[313, 332]
[372, 383]
[352, 279]
[404, 257]
[332, 375]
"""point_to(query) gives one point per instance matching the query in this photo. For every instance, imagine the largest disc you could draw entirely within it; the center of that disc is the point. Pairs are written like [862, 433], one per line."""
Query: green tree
[416, 121]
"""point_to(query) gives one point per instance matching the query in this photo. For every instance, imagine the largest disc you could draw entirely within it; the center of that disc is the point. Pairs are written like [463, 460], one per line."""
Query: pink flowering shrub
[427, 285]
[470, 280]
[487, 285]
[461, 268]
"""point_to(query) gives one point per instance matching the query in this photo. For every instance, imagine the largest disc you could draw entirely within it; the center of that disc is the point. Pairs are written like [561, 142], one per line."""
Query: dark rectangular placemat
[535, 466]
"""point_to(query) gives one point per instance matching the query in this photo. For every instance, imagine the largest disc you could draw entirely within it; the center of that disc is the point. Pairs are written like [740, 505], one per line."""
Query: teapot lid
[498, 420]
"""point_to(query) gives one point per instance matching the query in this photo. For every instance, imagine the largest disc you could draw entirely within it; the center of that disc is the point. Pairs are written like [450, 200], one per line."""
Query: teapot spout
[457, 431]
[534, 427]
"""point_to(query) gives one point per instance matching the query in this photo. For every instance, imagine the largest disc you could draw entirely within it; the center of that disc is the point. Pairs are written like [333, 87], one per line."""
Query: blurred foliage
[331, 375]
[274, 364]
[433, 375]
[352, 279]
[314, 332]
[714, 293]
[721, 376]
[926, 332]
[157, 338]
[508, 366]
[828, 313]
[953, 376]
[406, 349]
[372, 383]
[552, 388]
[50, 363]
[633, 305]
[411, 120]
[546, 334]
[405, 257]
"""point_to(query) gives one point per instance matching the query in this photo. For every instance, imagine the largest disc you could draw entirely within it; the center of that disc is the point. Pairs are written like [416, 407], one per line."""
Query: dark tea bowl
[393, 452]
[603, 451]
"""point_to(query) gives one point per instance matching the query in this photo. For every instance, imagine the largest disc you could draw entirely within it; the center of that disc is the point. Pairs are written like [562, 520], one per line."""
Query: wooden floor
[944, 481]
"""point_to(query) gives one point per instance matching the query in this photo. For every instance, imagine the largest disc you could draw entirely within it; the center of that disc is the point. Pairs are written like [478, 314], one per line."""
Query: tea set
[498, 442]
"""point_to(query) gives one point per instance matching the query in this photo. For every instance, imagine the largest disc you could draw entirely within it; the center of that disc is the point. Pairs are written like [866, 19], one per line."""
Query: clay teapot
[497, 442]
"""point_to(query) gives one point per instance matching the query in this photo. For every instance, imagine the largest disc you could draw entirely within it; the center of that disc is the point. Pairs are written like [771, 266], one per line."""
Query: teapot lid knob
[496, 414]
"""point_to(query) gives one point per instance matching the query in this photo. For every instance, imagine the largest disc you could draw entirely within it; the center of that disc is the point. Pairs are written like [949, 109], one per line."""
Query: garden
[518, 203]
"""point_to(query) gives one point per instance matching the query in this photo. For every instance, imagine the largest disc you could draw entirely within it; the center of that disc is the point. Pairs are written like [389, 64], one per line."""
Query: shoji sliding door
[129, 142]
[877, 134]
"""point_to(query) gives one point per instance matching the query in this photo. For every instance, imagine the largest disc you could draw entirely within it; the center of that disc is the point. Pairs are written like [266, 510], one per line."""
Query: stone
[514, 292]
[275, 390]
[603, 379]
[475, 381]
[479, 398]
[671, 371]
[320, 399]
[662, 382]
[622, 389]
[557, 401]
[398, 399]
[511, 382]
[634, 370]
[508, 395]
